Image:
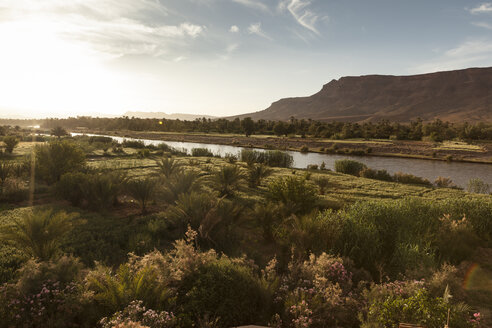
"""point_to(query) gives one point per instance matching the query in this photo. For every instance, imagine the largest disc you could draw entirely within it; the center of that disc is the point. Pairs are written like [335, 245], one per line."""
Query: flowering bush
[135, 313]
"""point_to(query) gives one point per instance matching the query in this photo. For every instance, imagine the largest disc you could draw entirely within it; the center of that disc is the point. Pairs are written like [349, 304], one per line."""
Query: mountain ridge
[449, 95]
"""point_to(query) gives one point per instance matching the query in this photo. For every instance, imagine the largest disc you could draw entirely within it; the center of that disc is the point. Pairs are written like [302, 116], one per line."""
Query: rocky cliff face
[452, 96]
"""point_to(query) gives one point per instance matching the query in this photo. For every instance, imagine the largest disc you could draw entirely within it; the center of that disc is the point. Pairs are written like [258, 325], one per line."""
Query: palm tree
[143, 190]
[59, 132]
[168, 166]
[10, 143]
[256, 174]
[227, 180]
[6, 170]
[39, 232]
[180, 183]
[322, 183]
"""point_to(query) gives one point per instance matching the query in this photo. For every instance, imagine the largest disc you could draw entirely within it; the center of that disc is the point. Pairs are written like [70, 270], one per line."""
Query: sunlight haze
[219, 57]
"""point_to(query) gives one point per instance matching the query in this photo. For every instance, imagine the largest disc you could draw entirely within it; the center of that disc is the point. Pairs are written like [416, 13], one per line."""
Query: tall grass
[275, 158]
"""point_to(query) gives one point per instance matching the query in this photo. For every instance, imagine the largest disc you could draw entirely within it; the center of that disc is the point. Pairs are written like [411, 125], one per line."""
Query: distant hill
[453, 96]
[183, 117]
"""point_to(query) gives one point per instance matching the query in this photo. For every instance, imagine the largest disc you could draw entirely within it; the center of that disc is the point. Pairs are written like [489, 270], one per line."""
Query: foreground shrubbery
[274, 158]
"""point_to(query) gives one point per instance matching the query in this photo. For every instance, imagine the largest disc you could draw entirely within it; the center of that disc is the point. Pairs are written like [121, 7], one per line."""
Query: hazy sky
[220, 57]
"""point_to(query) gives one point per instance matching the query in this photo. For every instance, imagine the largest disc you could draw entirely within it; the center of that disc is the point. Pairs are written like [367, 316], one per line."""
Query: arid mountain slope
[452, 96]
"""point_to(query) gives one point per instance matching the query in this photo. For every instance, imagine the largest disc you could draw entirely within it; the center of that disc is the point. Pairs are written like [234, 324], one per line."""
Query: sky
[220, 57]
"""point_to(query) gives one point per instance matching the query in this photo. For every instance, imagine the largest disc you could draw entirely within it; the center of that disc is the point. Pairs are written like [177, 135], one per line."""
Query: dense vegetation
[143, 236]
[416, 130]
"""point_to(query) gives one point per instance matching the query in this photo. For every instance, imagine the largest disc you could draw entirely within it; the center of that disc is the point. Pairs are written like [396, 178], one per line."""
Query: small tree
[57, 158]
[478, 186]
[59, 132]
[227, 180]
[10, 143]
[256, 174]
[248, 126]
[143, 191]
[39, 233]
[168, 166]
[322, 183]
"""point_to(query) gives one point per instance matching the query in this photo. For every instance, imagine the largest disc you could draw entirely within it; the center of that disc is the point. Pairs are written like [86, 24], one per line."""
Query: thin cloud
[253, 4]
[255, 28]
[483, 24]
[467, 54]
[234, 29]
[301, 13]
[110, 27]
[483, 8]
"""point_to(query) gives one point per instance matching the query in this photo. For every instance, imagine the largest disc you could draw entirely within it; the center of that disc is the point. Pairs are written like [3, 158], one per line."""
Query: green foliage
[190, 209]
[71, 187]
[322, 183]
[227, 180]
[248, 126]
[137, 144]
[58, 131]
[257, 173]
[224, 290]
[10, 143]
[101, 190]
[410, 179]
[39, 232]
[201, 152]
[143, 190]
[477, 186]
[57, 158]
[274, 158]
[382, 175]
[295, 194]
[168, 166]
[114, 290]
[348, 166]
[442, 182]
[181, 182]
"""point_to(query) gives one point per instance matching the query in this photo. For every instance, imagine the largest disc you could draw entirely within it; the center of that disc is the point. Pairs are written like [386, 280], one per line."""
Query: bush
[168, 166]
[297, 195]
[57, 158]
[256, 174]
[201, 152]
[442, 182]
[143, 153]
[376, 174]
[348, 166]
[71, 187]
[477, 186]
[274, 158]
[227, 180]
[101, 190]
[322, 183]
[10, 143]
[407, 178]
[224, 290]
[100, 139]
[304, 149]
[142, 190]
[138, 144]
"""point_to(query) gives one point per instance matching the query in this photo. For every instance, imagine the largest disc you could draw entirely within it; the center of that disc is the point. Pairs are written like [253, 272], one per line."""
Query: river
[459, 172]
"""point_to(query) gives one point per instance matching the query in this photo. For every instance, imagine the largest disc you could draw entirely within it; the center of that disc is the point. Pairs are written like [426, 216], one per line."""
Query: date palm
[39, 233]
[256, 174]
[227, 180]
[142, 190]
[168, 166]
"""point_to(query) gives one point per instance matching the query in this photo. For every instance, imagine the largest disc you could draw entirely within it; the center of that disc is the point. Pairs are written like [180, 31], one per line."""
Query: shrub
[138, 144]
[168, 166]
[227, 180]
[39, 232]
[312, 167]
[201, 152]
[442, 182]
[71, 187]
[10, 143]
[348, 166]
[57, 158]
[275, 158]
[226, 290]
[297, 195]
[6, 170]
[376, 174]
[231, 158]
[322, 183]
[14, 190]
[407, 178]
[101, 190]
[180, 183]
[143, 190]
[138, 316]
[256, 174]
[143, 153]
[304, 149]
[100, 139]
[478, 186]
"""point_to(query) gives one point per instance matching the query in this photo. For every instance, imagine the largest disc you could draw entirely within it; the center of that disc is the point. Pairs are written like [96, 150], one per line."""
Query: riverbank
[447, 151]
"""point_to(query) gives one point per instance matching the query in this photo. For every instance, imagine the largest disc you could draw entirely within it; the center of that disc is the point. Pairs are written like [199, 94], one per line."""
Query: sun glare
[44, 72]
